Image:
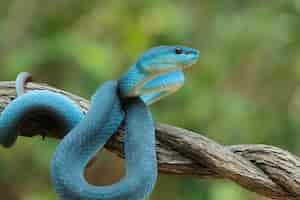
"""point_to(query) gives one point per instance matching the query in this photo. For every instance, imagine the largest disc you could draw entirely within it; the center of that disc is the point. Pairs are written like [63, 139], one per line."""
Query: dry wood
[264, 169]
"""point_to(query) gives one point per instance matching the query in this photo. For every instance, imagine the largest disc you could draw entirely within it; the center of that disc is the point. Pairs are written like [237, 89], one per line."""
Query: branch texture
[264, 169]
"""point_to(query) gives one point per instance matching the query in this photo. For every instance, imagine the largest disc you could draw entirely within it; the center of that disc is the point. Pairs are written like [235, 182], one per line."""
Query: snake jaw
[160, 83]
[141, 88]
[156, 95]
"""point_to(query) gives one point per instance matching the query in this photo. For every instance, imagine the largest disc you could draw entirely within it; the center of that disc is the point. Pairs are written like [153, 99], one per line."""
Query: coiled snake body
[157, 73]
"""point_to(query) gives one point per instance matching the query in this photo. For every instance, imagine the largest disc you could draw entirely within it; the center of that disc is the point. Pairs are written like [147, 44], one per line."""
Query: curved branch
[266, 170]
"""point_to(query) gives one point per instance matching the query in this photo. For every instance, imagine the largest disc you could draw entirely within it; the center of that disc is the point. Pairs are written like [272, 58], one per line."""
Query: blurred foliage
[245, 89]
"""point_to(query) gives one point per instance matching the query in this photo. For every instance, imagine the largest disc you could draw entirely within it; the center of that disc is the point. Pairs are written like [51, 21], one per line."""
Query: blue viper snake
[156, 74]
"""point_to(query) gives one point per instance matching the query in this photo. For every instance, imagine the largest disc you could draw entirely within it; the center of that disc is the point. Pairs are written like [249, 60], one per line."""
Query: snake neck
[131, 81]
[90, 135]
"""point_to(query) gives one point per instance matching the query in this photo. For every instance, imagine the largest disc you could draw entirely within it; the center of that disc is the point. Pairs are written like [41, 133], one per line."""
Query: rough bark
[266, 170]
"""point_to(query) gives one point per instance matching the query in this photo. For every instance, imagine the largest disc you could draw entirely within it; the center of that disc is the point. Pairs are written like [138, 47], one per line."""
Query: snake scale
[156, 74]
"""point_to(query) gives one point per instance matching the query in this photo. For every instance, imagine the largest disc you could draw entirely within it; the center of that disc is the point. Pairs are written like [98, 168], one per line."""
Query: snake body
[157, 73]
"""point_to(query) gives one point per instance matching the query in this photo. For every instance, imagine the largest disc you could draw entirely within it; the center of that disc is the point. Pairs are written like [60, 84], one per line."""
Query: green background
[244, 89]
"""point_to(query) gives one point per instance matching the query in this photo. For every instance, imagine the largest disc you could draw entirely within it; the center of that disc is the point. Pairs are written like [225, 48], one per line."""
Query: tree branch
[266, 170]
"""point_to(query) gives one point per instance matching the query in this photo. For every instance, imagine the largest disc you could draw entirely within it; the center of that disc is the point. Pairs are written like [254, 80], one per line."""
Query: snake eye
[178, 51]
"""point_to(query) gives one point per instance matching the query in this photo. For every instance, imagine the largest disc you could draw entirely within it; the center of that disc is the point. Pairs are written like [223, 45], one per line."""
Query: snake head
[158, 72]
[164, 59]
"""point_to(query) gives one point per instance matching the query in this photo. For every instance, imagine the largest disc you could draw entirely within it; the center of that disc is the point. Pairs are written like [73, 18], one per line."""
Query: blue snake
[156, 74]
